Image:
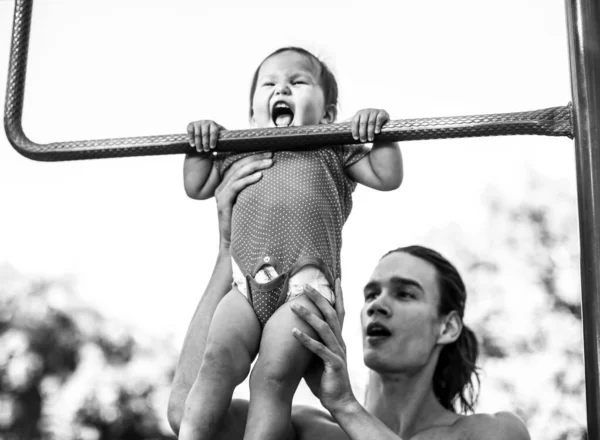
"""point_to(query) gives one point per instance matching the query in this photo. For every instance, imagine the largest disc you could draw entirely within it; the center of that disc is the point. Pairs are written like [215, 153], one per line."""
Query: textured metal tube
[550, 122]
[583, 24]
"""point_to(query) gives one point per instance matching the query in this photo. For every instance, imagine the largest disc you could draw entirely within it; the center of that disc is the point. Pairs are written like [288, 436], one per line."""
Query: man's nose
[379, 306]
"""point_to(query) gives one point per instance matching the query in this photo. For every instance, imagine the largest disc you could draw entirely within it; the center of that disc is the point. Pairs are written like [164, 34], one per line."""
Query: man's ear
[450, 329]
[329, 115]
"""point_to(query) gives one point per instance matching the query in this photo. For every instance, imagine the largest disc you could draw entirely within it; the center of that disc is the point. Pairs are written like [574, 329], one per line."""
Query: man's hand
[328, 377]
[242, 173]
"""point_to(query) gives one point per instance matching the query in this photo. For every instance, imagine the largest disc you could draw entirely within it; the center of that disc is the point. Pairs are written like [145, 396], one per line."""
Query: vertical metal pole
[583, 24]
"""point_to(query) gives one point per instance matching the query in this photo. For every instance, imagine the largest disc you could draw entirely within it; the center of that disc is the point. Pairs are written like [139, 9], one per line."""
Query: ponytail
[456, 372]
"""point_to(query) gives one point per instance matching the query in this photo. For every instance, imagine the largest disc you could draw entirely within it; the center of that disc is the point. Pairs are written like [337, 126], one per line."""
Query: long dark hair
[456, 372]
[326, 80]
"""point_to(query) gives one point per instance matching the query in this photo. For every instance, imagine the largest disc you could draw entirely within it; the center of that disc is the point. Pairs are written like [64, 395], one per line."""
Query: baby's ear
[329, 115]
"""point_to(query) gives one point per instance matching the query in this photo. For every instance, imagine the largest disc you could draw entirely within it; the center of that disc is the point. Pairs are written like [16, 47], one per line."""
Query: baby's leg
[232, 344]
[282, 362]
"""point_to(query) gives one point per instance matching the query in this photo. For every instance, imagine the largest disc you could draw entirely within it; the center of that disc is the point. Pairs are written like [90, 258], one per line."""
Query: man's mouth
[282, 114]
[376, 331]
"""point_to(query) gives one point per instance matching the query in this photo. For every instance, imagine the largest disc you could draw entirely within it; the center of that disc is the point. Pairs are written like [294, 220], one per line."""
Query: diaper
[308, 275]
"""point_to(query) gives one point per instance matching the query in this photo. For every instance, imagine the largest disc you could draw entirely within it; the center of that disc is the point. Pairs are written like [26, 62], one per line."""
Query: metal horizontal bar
[554, 121]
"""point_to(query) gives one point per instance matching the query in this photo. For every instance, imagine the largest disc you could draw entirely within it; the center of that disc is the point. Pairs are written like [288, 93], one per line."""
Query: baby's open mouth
[282, 114]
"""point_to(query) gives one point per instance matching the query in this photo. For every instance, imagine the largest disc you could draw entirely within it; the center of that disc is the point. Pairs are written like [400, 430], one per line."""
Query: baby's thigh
[234, 328]
[281, 355]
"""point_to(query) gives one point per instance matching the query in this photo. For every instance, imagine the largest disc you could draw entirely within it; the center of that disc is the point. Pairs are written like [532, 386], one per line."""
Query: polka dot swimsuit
[294, 215]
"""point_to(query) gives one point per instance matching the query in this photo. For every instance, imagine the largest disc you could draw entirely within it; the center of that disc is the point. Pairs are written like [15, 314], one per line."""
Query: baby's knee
[224, 360]
[273, 374]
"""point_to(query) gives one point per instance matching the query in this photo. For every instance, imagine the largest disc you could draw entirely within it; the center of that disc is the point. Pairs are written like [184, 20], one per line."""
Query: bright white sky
[138, 248]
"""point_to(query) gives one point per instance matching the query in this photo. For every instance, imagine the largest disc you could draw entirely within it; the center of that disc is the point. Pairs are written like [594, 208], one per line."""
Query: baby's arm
[200, 177]
[382, 168]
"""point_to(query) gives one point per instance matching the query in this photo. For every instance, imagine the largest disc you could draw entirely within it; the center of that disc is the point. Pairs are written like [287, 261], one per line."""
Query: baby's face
[288, 93]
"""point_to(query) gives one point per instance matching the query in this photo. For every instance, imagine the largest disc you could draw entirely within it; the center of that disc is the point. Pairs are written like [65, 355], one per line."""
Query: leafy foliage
[522, 268]
[67, 372]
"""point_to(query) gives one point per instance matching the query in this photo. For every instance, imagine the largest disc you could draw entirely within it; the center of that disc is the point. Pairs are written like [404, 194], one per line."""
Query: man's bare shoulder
[499, 426]
[314, 424]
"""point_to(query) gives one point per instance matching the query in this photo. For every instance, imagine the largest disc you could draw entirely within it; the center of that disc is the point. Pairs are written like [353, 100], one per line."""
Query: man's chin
[373, 361]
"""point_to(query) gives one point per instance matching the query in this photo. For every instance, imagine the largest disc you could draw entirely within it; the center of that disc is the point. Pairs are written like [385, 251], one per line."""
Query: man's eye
[370, 295]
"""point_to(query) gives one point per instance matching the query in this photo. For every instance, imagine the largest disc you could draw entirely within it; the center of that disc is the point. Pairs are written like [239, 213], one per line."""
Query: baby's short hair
[327, 80]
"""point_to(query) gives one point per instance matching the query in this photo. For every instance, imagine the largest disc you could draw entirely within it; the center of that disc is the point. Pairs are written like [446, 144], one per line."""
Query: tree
[522, 270]
[67, 372]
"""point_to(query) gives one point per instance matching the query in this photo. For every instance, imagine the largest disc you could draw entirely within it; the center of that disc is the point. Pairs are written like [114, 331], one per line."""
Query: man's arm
[314, 424]
[194, 343]
[241, 174]
[359, 424]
